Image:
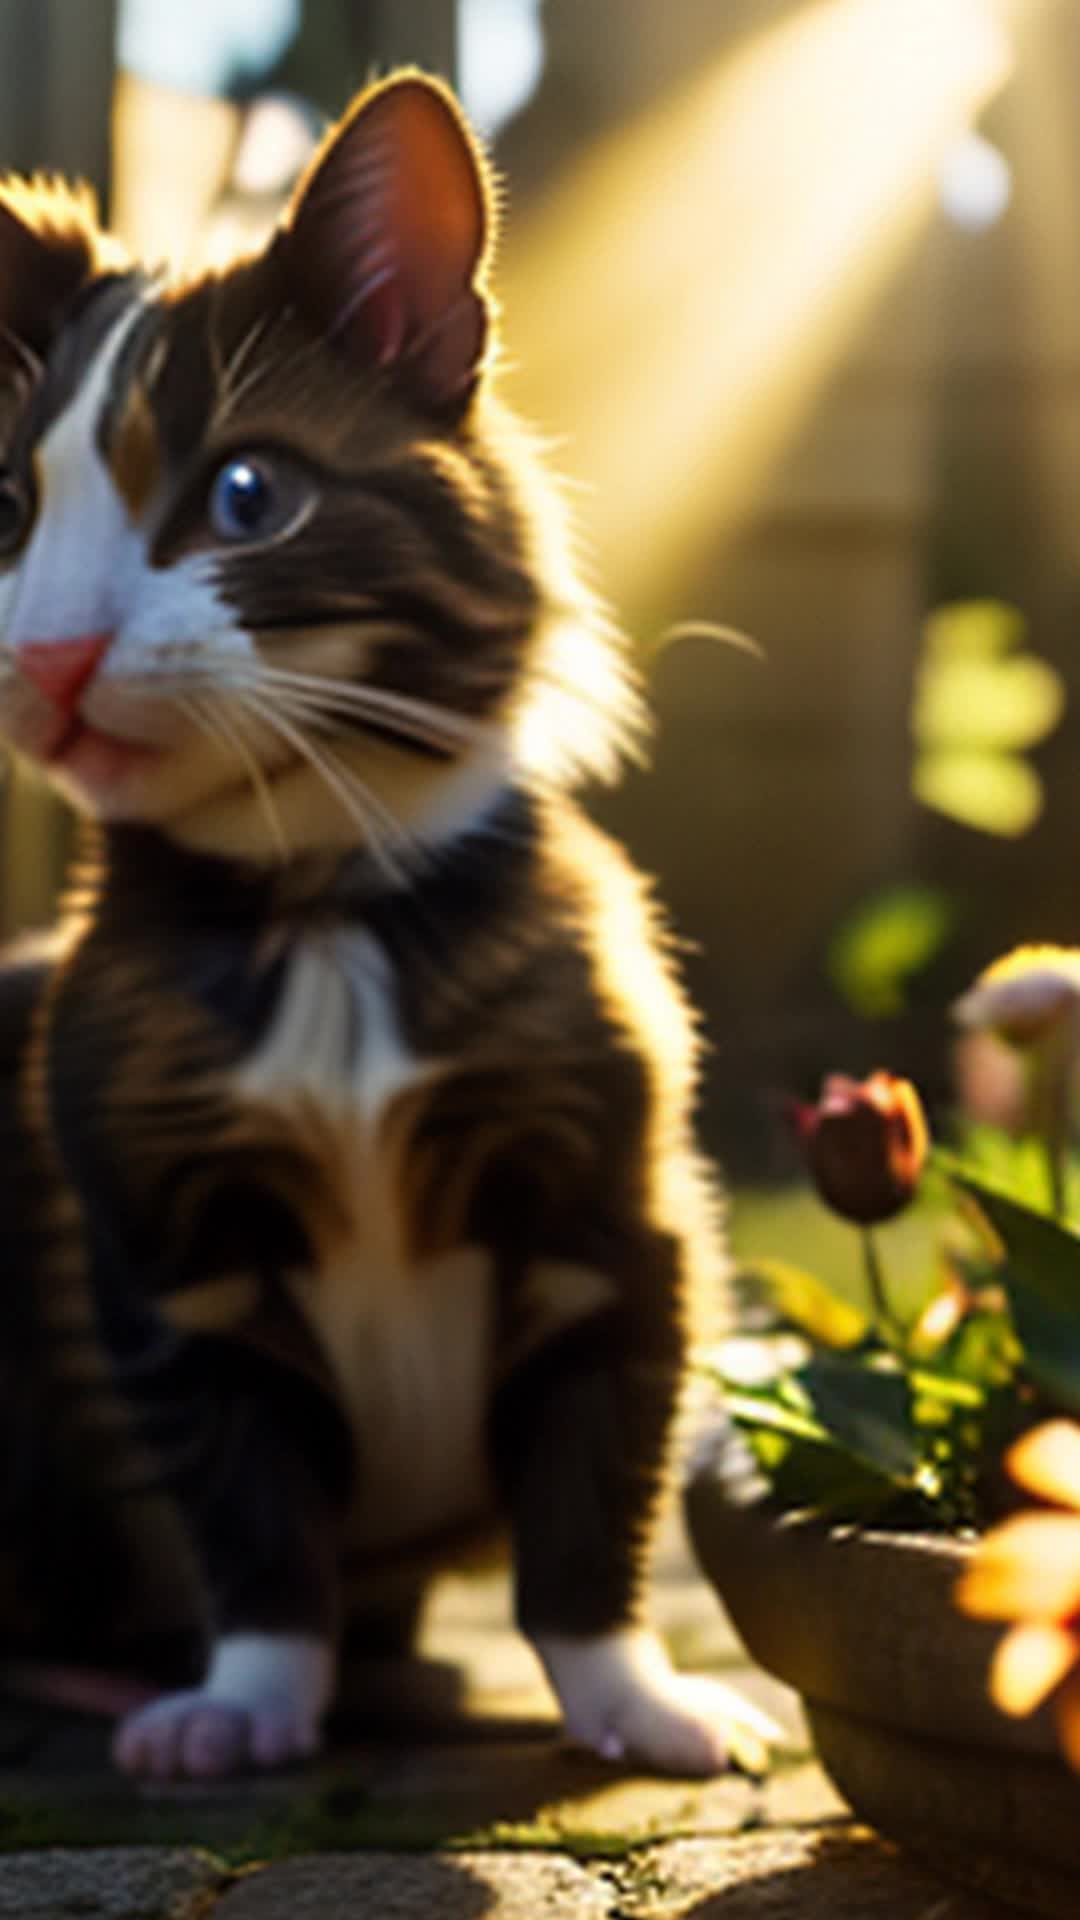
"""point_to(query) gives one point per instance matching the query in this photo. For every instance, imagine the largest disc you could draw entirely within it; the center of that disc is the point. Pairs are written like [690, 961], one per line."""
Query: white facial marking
[66, 581]
[87, 570]
[171, 619]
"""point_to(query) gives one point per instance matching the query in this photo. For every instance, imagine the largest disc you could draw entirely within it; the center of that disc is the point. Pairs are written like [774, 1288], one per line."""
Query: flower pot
[894, 1683]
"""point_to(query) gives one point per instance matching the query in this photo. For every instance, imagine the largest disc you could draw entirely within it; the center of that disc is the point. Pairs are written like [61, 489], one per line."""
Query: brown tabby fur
[216, 1155]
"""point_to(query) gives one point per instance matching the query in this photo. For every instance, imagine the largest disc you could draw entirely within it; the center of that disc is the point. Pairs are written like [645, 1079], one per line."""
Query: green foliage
[992, 792]
[991, 705]
[898, 1412]
[803, 1301]
[1040, 1271]
[865, 1403]
[981, 703]
[856, 1472]
[1016, 1167]
[976, 630]
[880, 948]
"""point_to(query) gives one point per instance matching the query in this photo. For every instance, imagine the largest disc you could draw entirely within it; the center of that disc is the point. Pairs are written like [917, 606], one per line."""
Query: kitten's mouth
[95, 758]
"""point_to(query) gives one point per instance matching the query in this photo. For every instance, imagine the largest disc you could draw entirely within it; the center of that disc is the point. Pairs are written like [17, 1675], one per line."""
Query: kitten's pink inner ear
[387, 237]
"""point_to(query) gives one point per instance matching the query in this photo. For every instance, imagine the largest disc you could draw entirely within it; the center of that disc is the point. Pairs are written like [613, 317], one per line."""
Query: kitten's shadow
[418, 1696]
[400, 1696]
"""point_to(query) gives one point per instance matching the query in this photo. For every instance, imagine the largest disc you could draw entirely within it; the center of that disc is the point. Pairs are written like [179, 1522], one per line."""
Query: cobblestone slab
[377, 1886]
[109, 1883]
[845, 1874]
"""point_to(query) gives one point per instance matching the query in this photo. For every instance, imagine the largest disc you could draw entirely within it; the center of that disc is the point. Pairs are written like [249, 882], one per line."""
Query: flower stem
[1050, 1121]
[886, 1320]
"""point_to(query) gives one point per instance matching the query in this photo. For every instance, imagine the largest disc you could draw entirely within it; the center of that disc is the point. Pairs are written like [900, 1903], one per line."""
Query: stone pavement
[456, 1801]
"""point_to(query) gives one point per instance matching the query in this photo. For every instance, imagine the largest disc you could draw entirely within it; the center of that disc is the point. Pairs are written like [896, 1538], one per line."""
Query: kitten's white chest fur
[335, 1034]
[409, 1340]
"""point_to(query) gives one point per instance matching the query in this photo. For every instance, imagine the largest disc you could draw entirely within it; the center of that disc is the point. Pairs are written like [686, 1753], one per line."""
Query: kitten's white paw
[621, 1697]
[192, 1735]
[259, 1706]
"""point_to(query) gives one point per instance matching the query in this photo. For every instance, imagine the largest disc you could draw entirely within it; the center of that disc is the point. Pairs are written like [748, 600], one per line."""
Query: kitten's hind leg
[582, 1438]
[621, 1696]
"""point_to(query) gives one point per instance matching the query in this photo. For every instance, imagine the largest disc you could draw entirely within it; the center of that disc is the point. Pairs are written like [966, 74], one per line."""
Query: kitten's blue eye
[241, 501]
[255, 498]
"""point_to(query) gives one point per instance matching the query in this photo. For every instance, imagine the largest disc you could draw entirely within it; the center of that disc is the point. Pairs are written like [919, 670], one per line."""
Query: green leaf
[1013, 1166]
[879, 949]
[986, 704]
[1041, 1274]
[807, 1303]
[992, 792]
[975, 629]
[980, 701]
[1047, 1251]
[980, 1355]
[807, 1466]
[1051, 1343]
[761, 1408]
[947, 1388]
[829, 1481]
[864, 1409]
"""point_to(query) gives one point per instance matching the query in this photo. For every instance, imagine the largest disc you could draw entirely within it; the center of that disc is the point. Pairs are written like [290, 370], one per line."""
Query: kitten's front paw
[190, 1735]
[621, 1697]
[259, 1706]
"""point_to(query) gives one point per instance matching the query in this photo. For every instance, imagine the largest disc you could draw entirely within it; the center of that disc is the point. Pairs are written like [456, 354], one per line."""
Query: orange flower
[1028, 1571]
[865, 1144]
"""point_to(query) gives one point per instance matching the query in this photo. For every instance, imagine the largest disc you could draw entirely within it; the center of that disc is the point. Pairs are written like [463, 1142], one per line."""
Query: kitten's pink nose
[60, 669]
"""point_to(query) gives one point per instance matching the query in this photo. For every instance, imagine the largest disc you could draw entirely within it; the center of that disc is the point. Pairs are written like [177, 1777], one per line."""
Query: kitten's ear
[47, 250]
[387, 235]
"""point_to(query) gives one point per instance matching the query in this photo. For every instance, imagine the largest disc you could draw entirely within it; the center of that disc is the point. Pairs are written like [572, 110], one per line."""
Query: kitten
[347, 1125]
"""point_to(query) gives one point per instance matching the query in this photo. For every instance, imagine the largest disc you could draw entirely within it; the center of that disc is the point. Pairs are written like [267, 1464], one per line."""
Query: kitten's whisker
[415, 852]
[355, 797]
[259, 782]
[400, 713]
[438, 721]
[394, 719]
[217, 725]
[405, 713]
[315, 708]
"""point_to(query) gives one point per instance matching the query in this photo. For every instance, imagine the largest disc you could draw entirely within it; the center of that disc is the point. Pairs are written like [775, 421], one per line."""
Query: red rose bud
[865, 1144]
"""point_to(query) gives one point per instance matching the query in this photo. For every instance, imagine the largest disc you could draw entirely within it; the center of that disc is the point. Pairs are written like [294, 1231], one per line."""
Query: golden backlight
[674, 306]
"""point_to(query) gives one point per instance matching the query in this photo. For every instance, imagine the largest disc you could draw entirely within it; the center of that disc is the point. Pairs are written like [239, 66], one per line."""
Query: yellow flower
[1027, 1571]
[1026, 996]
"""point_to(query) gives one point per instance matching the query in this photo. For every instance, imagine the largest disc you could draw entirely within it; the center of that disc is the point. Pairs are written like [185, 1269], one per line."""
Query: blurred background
[792, 289]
